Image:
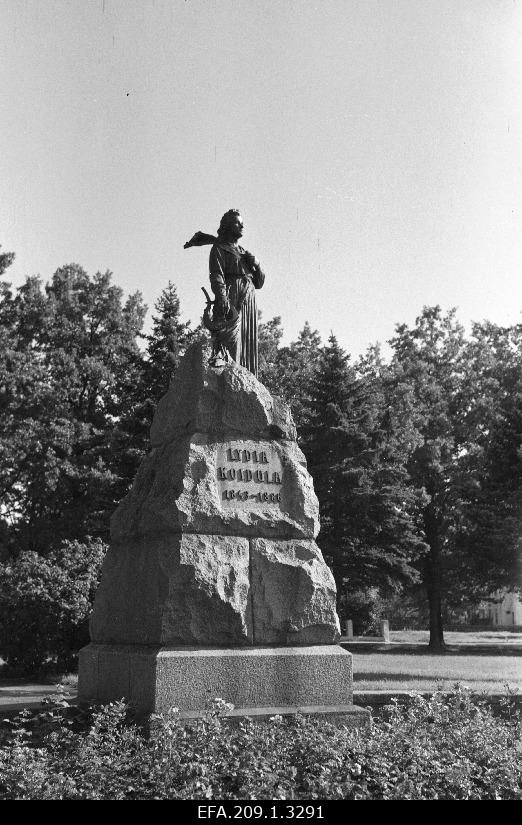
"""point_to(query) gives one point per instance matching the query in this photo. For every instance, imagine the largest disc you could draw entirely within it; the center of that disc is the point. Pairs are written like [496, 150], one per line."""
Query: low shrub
[445, 747]
[365, 607]
[45, 604]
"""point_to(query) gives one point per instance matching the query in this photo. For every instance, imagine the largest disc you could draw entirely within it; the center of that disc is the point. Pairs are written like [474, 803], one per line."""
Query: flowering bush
[445, 747]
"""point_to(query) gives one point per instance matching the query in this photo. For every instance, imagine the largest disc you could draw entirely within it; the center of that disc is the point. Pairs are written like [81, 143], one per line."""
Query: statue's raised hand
[250, 261]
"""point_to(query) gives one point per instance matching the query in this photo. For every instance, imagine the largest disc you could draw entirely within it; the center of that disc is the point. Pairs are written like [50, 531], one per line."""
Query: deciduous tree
[463, 399]
[69, 362]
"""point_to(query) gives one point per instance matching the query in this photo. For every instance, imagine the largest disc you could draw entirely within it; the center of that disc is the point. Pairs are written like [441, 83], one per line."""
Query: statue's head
[231, 226]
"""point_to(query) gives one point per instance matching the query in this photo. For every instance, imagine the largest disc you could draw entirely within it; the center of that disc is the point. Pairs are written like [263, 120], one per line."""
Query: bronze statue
[235, 274]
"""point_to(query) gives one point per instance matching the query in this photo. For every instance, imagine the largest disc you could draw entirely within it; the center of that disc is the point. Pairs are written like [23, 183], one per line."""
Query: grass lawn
[484, 661]
[412, 671]
[497, 638]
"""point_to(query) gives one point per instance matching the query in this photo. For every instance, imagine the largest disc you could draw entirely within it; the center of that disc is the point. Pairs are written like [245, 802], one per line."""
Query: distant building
[506, 611]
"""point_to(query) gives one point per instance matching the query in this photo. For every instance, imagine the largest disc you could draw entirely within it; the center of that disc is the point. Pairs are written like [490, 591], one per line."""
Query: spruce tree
[356, 461]
[299, 363]
[269, 336]
[165, 345]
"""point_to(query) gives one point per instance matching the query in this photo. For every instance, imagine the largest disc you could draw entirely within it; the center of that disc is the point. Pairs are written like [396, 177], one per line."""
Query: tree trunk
[436, 630]
[433, 580]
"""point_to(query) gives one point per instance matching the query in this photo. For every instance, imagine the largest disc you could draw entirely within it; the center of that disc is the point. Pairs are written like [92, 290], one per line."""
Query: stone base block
[351, 716]
[260, 680]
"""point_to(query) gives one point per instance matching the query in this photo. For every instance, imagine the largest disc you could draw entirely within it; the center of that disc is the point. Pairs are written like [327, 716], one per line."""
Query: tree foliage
[416, 462]
[288, 371]
[69, 363]
[457, 394]
[45, 604]
[488, 544]
[166, 343]
[356, 459]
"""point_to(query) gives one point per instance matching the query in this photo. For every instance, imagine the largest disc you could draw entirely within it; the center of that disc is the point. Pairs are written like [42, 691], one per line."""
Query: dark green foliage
[166, 344]
[269, 337]
[68, 363]
[289, 371]
[299, 363]
[45, 603]
[446, 747]
[356, 457]
[366, 608]
[458, 399]
[354, 453]
[416, 464]
[488, 544]
[6, 259]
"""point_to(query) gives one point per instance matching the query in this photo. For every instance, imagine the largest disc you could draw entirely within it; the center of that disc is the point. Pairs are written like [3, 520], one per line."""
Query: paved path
[16, 695]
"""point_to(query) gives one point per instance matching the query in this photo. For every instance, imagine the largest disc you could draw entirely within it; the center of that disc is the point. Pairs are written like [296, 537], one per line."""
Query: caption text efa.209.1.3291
[266, 811]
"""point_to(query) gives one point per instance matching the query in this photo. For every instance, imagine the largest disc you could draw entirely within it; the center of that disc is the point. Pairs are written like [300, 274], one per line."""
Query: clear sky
[374, 148]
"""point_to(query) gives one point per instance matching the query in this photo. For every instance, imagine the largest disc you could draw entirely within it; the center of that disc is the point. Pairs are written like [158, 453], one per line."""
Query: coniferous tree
[269, 336]
[299, 363]
[288, 371]
[356, 460]
[166, 344]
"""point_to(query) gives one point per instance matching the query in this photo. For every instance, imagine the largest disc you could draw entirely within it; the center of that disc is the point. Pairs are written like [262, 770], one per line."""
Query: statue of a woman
[235, 274]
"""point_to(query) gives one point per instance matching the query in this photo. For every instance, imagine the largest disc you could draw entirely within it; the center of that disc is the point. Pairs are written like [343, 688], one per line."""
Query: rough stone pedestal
[213, 585]
[259, 681]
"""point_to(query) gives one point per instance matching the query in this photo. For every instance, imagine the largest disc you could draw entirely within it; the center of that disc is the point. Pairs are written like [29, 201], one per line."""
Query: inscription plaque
[248, 475]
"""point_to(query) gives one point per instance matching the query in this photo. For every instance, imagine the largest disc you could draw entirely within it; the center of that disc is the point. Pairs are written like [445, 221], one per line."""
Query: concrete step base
[255, 680]
[347, 715]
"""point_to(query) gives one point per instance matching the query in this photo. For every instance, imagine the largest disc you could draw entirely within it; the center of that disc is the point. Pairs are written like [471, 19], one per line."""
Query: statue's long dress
[229, 276]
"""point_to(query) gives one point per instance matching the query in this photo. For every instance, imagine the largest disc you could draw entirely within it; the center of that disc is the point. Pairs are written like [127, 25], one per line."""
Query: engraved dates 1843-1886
[249, 475]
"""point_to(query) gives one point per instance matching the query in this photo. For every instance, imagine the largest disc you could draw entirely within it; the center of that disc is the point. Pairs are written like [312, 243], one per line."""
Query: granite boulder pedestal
[213, 585]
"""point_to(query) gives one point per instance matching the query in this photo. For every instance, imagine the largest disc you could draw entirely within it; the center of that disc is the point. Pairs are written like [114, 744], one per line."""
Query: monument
[213, 585]
[235, 274]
